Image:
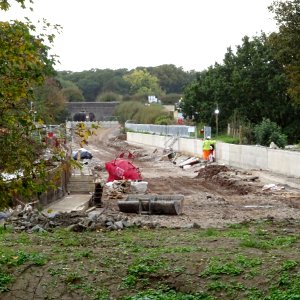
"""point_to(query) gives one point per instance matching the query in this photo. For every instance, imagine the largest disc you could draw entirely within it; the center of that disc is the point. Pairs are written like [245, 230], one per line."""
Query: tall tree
[50, 102]
[24, 64]
[142, 82]
[171, 78]
[251, 84]
[287, 42]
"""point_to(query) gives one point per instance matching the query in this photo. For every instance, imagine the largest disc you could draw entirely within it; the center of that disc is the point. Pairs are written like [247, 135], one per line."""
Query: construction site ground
[237, 238]
[214, 195]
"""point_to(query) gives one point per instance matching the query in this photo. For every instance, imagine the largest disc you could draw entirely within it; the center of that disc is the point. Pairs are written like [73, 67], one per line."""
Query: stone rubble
[97, 220]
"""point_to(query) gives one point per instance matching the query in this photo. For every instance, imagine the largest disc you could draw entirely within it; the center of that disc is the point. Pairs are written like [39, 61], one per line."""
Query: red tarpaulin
[120, 168]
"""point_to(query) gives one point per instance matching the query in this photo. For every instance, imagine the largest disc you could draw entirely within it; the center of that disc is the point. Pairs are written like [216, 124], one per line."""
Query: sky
[115, 34]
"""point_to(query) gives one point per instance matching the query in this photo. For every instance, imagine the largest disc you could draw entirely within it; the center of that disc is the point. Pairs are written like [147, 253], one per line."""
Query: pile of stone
[37, 221]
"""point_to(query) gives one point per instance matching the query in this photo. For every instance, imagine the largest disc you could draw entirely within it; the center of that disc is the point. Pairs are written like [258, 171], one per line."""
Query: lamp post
[217, 120]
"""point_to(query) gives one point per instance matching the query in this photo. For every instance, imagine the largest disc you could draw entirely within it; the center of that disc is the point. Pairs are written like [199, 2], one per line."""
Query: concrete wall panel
[240, 156]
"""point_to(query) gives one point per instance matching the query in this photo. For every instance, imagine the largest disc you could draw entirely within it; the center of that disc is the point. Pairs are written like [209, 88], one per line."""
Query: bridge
[102, 111]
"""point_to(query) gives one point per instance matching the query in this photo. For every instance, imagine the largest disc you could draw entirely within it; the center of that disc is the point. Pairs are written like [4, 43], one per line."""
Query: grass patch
[228, 139]
[252, 261]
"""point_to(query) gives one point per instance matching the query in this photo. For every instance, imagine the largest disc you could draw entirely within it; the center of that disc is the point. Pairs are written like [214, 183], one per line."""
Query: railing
[170, 130]
[88, 124]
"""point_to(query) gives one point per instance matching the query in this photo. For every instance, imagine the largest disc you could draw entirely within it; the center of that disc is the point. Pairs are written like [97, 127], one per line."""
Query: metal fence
[103, 124]
[170, 130]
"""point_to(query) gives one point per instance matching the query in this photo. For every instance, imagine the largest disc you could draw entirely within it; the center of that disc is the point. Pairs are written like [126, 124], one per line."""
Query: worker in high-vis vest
[208, 149]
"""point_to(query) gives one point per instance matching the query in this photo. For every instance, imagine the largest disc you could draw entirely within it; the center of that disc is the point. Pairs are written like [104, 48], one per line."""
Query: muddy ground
[214, 195]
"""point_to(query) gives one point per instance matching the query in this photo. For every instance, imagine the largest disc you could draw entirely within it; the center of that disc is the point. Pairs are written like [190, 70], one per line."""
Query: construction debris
[152, 204]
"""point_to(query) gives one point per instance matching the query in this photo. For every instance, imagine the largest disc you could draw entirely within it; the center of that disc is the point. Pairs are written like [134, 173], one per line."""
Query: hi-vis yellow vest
[207, 143]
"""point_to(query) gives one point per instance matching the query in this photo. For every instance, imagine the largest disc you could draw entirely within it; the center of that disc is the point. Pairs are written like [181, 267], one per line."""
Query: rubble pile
[116, 189]
[37, 221]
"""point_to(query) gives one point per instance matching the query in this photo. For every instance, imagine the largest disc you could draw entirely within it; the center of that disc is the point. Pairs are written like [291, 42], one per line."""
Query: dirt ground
[96, 265]
[214, 195]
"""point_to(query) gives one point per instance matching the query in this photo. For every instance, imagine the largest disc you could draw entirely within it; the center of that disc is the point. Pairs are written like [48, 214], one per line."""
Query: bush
[109, 97]
[267, 132]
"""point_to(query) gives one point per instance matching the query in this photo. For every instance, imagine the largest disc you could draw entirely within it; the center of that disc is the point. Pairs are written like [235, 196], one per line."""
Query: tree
[4, 4]
[143, 83]
[73, 94]
[250, 83]
[287, 42]
[25, 63]
[50, 102]
[170, 78]
[109, 97]
[126, 111]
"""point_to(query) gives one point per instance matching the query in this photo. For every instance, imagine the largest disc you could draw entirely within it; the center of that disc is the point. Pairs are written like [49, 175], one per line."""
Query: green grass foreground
[244, 261]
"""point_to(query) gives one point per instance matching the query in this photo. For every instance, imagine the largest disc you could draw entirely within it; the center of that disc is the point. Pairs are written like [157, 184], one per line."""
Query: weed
[56, 271]
[39, 259]
[4, 280]
[141, 268]
[23, 238]
[248, 262]
[231, 286]
[85, 253]
[167, 295]
[253, 293]
[217, 267]
[255, 243]
[210, 232]
[73, 277]
[102, 294]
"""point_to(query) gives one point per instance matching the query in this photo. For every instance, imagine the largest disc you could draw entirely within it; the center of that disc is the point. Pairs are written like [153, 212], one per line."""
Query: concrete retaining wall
[187, 146]
[240, 156]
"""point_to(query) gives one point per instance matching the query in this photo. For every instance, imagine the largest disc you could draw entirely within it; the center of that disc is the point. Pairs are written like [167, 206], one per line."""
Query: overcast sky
[192, 34]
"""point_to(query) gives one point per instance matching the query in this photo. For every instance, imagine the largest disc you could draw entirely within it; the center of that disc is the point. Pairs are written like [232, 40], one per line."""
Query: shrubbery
[267, 132]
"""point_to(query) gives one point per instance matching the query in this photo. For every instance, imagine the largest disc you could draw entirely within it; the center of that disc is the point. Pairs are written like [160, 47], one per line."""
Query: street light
[217, 120]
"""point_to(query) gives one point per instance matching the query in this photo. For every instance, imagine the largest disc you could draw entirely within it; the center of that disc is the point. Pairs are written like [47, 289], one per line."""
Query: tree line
[259, 81]
[166, 82]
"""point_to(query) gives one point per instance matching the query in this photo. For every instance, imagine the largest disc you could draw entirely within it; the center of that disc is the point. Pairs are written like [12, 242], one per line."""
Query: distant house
[153, 99]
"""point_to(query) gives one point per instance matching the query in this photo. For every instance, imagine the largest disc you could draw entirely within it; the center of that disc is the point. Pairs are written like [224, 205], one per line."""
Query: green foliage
[95, 82]
[140, 113]
[286, 42]
[157, 264]
[26, 64]
[49, 102]
[250, 80]
[126, 111]
[171, 98]
[228, 139]
[109, 97]
[5, 5]
[73, 94]
[218, 267]
[143, 83]
[172, 79]
[4, 280]
[164, 120]
[267, 132]
[148, 114]
[168, 295]
[83, 132]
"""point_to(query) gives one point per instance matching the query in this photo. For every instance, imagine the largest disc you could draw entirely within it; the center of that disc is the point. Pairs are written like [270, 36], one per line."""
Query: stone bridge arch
[103, 111]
